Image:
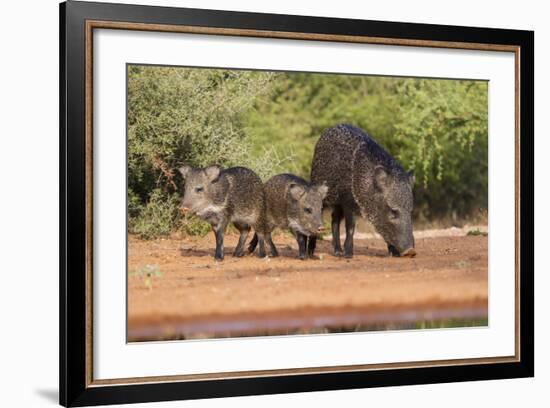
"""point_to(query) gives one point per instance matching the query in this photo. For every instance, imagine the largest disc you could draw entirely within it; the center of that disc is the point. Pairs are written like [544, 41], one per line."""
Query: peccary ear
[412, 178]
[381, 177]
[296, 191]
[184, 170]
[323, 190]
[212, 172]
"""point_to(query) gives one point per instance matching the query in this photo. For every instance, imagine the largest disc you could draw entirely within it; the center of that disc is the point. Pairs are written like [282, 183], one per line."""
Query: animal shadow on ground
[377, 252]
[194, 251]
[359, 249]
[285, 250]
[208, 252]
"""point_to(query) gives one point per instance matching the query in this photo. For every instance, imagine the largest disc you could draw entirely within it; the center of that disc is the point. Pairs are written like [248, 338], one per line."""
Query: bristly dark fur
[292, 203]
[364, 179]
[220, 197]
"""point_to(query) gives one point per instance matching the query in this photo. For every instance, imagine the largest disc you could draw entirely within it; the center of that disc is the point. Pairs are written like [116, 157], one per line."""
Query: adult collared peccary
[363, 179]
[293, 203]
[220, 197]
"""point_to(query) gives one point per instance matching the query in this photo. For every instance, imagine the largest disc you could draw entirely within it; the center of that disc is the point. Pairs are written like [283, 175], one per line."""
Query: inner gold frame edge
[91, 24]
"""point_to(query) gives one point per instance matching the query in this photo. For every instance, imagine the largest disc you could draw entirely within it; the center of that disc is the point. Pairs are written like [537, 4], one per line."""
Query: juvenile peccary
[293, 203]
[363, 179]
[222, 196]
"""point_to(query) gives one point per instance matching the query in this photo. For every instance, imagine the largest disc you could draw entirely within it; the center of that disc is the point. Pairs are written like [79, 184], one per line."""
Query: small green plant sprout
[147, 272]
[477, 232]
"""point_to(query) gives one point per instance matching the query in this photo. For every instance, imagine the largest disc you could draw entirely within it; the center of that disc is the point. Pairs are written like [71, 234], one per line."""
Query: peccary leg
[350, 229]
[336, 218]
[392, 250]
[244, 230]
[311, 244]
[272, 246]
[219, 230]
[261, 242]
[253, 243]
[302, 242]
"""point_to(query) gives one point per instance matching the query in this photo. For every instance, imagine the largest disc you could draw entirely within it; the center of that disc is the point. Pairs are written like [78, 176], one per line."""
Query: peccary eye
[199, 189]
[308, 210]
[394, 214]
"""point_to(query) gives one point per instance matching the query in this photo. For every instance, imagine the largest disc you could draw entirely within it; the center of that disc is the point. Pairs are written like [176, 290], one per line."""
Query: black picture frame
[75, 387]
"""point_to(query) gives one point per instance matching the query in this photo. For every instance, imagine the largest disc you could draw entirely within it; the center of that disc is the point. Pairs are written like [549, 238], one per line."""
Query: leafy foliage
[438, 128]
[442, 134]
[178, 116]
[156, 217]
[270, 122]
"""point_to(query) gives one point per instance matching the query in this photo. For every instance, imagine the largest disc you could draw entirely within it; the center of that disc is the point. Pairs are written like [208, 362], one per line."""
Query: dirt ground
[176, 290]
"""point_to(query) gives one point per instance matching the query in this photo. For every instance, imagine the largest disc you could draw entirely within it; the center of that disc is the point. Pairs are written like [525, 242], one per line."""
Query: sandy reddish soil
[189, 295]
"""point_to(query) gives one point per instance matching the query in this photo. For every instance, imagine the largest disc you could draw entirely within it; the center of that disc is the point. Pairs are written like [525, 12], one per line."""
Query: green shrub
[270, 123]
[182, 116]
[436, 127]
[157, 217]
[442, 133]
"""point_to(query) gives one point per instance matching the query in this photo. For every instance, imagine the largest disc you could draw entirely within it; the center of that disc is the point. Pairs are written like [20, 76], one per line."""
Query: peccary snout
[201, 189]
[409, 252]
[393, 218]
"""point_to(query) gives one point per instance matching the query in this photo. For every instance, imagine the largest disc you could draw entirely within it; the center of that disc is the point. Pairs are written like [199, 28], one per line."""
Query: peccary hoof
[338, 253]
[238, 254]
[218, 257]
[348, 256]
[302, 257]
[393, 251]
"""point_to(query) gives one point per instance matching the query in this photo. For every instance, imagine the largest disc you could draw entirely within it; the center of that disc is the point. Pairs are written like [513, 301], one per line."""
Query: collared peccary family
[351, 175]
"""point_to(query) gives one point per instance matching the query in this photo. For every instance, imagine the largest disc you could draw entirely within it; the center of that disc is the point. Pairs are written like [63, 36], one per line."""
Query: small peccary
[293, 203]
[363, 179]
[220, 197]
